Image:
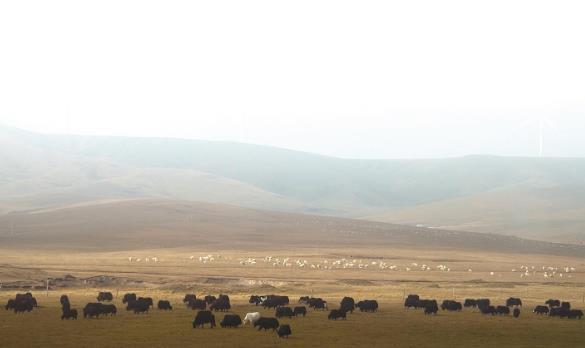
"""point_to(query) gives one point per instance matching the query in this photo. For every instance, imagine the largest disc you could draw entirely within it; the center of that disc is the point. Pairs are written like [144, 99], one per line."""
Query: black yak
[202, 318]
[284, 312]
[511, 302]
[541, 310]
[300, 310]
[69, 314]
[92, 310]
[284, 331]
[105, 296]
[336, 314]
[128, 297]
[231, 320]
[267, 323]
[164, 305]
[347, 304]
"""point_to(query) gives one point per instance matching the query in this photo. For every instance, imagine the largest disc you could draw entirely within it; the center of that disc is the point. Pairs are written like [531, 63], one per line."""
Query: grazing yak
[27, 297]
[92, 310]
[512, 302]
[423, 303]
[503, 310]
[251, 318]
[141, 305]
[274, 301]
[541, 310]
[412, 301]
[230, 320]
[283, 300]
[368, 305]
[267, 323]
[516, 312]
[317, 303]
[488, 310]
[69, 314]
[451, 305]
[270, 303]
[470, 302]
[189, 298]
[566, 305]
[128, 298]
[347, 304]
[11, 304]
[21, 303]
[553, 303]
[483, 302]
[558, 312]
[202, 318]
[284, 331]
[336, 314]
[147, 300]
[221, 304]
[304, 300]
[565, 313]
[255, 299]
[300, 310]
[284, 312]
[164, 305]
[23, 306]
[431, 307]
[108, 309]
[197, 304]
[105, 296]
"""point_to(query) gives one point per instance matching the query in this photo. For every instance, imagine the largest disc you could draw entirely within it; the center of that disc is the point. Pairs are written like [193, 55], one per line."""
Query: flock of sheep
[546, 271]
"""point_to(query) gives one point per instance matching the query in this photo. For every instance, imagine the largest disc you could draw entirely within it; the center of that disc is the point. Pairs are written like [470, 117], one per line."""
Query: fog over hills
[539, 198]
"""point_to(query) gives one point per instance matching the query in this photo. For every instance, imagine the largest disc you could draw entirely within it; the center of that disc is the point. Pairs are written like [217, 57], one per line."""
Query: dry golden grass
[392, 326]
[174, 275]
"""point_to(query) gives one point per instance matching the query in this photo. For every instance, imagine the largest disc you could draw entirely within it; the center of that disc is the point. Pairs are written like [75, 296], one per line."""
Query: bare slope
[139, 224]
[553, 213]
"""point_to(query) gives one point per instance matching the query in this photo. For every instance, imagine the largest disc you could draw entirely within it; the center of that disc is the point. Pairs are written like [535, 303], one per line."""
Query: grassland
[176, 274]
[392, 326]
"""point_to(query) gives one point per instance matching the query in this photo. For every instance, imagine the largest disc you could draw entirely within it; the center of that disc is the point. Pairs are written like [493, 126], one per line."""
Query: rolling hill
[548, 213]
[530, 197]
[155, 223]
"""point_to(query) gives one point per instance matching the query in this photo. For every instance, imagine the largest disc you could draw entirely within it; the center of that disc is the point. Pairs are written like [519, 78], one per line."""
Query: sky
[361, 79]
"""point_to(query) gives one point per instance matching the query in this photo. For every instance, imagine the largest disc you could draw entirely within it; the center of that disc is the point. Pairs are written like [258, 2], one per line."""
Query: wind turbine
[541, 142]
[544, 122]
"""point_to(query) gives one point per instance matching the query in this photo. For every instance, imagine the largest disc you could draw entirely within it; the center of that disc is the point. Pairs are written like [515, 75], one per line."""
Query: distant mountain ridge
[40, 171]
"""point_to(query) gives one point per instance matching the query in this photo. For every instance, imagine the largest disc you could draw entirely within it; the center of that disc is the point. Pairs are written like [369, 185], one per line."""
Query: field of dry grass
[392, 326]
[176, 274]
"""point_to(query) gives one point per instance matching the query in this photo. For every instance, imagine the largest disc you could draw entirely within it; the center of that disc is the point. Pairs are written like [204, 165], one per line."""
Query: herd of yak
[554, 308]
[209, 304]
[205, 306]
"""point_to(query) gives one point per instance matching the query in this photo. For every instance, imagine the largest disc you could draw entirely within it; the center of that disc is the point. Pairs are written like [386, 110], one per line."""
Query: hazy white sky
[346, 78]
